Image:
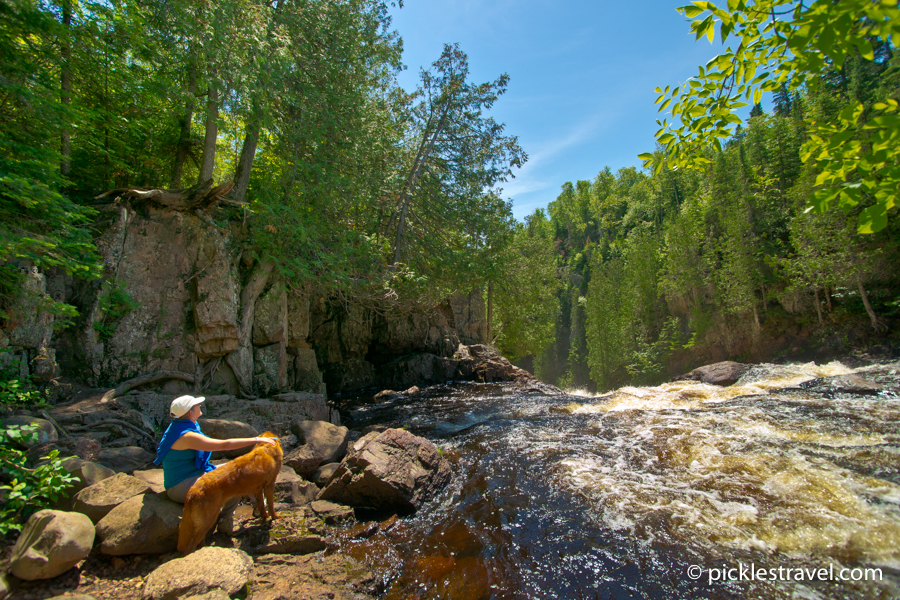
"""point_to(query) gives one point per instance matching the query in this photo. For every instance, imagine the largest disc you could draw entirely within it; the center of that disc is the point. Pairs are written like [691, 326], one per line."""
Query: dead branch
[125, 386]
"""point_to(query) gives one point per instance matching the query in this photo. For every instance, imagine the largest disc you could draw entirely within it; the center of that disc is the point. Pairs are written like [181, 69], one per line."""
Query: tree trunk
[876, 324]
[490, 313]
[241, 360]
[818, 307]
[245, 162]
[184, 138]
[828, 299]
[208, 161]
[65, 149]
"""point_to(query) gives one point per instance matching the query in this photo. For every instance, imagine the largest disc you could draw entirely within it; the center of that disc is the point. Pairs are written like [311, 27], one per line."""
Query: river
[783, 485]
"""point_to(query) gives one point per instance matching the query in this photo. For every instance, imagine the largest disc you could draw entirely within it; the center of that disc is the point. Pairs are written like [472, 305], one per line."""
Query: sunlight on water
[746, 472]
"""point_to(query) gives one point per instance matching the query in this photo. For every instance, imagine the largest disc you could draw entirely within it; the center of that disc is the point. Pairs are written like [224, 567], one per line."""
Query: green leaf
[872, 219]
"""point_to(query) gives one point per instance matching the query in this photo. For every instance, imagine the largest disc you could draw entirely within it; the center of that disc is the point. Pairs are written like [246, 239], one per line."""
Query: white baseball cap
[182, 404]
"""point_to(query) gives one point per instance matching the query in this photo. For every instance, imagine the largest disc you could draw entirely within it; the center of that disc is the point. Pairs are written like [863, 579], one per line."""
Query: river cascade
[783, 485]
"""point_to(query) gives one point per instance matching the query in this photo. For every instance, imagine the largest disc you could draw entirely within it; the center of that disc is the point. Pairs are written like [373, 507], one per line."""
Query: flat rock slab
[198, 573]
[98, 500]
[293, 532]
[332, 513]
[153, 478]
[335, 577]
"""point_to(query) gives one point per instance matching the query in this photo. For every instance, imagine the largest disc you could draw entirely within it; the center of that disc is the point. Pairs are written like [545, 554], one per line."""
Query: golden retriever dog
[247, 475]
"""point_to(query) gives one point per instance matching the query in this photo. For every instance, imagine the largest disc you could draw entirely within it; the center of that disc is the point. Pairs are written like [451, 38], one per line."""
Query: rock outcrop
[392, 470]
[51, 543]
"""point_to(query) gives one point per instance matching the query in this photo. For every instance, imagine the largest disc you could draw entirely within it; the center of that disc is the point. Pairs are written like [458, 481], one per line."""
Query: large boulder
[97, 500]
[721, 373]
[88, 473]
[126, 459]
[146, 524]
[330, 440]
[51, 543]
[223, 429]
[391, 470]
[203, 571]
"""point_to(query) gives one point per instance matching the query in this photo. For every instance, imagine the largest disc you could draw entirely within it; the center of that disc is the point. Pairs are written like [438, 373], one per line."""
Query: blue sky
[582, 75]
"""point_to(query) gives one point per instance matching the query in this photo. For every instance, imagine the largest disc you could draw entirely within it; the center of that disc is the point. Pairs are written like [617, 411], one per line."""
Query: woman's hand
[266, 440]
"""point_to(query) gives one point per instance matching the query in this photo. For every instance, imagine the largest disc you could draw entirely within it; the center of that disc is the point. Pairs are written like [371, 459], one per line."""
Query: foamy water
[614, 496]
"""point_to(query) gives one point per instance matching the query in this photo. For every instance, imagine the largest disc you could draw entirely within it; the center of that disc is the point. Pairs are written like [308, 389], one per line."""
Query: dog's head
[275, 450]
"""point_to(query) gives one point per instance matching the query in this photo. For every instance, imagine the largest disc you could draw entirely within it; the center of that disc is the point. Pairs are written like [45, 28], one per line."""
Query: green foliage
[14, 391]
[27, 490]
[114, 302]
[783, 46]
[525, 302]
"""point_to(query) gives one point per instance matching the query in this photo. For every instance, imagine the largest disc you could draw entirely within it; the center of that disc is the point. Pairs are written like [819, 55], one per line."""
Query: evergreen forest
[346, 184]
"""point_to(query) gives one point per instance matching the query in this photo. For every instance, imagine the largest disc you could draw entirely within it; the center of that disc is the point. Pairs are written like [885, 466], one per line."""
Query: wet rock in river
[393, 470]
[721, 373]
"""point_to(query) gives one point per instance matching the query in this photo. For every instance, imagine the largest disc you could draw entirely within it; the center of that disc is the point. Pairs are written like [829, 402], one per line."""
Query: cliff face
[177, 296]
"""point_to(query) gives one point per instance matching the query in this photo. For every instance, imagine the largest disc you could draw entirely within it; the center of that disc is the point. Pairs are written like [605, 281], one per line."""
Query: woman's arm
[192, 440]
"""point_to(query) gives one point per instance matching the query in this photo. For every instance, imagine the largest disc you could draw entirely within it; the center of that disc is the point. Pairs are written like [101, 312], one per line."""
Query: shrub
[27, 491]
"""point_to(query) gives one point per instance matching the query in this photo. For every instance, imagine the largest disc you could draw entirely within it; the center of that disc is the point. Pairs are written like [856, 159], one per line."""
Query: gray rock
[327, 439]
[155, 478]
[388, 395]
[306, 375]
[203, 571]
[72, 597]
[393, 470]
[125, 460]
[88, 473]
[45, 430]
[216, 594]
[270, 368]
[145, 524]
[332, 513]
[723, 373]
[33, 326]
[270, 317]
[98, 500]
[51, 543]
[304, 460]
[290, 488]
[223, 429]
[323, 474]
[298, 319]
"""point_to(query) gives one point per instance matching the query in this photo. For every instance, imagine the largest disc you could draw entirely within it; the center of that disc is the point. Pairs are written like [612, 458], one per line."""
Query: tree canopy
[783, 46]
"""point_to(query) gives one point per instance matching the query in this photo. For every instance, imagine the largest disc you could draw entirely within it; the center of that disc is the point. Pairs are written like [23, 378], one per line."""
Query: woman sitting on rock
[184, 453]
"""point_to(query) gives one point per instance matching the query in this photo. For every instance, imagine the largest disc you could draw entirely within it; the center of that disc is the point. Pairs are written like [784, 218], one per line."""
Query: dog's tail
[186, 529]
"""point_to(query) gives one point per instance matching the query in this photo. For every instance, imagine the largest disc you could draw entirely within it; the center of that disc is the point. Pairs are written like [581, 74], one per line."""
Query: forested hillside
[341, 179]
[654, 272]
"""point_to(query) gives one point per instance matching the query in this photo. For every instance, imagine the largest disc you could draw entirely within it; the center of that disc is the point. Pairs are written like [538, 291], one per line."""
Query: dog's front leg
[260, 505]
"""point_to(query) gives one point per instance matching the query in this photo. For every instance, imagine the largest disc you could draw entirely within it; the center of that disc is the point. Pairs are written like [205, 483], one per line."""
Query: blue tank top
[178, 465]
